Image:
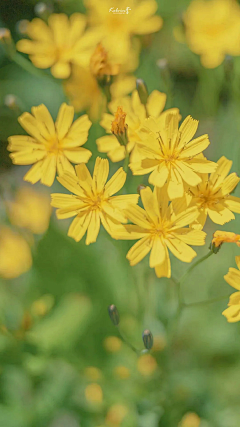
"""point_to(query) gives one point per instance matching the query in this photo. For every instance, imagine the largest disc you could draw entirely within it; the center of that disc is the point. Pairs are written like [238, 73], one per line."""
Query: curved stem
[182, 279]
[205, 302]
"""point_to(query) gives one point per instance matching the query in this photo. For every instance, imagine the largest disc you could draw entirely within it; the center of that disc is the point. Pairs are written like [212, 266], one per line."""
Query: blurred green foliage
[43, 368]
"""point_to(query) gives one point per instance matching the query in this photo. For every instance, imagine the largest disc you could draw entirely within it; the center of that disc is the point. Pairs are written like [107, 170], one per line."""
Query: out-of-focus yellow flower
[232, 313]
[51, 146]
[160, 227]
[43, 305]
[159, 343]
[93, 393]
[93, 202]
[136, 114]
[30, 210]
[92, 373]
[116, 415]
[146, 365]
[15, 254]
[59, 44]
[87, 88]
[122, 372]
[212, 195]
[190, 420]
[116, 22]
[112, 344]
[213, 30]
[220, 237]
[171, 155]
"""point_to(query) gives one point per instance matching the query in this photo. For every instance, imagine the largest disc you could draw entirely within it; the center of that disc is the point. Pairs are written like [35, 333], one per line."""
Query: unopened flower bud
[42, 9]
[140, 187]
[119, 127]
[113, 314]
[5, 36]
[142, 91]
[22, 26]
[147, 339]
[162, 63]
[10, 101]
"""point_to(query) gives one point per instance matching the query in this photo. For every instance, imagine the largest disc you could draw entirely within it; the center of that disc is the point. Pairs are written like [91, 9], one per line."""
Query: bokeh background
[62, 363]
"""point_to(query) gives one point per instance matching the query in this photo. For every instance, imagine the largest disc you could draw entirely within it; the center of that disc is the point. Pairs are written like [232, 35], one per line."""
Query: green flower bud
[142, 91]
[147, 339]
[113, 314]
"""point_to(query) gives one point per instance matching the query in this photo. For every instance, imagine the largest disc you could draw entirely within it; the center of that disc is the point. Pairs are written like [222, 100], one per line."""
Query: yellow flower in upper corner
[160, 227]
[213, 30]
[171, 155]
[59, 44]
[51, 146]
[135, 113]
[232, 313]
[212, 195]
[92, 201]
[220, 237]
[15, 254]
[116, 22]
[30, 209]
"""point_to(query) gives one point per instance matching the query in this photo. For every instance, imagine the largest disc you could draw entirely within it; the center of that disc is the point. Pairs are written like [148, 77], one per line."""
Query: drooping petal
[180, 250]
[220, 216]
[233, 278]
[164, 269]
[93, 228]
[34, 174]
[175, 185]
[49, 167]
[158, 253]
[79, 226]
[233, 203]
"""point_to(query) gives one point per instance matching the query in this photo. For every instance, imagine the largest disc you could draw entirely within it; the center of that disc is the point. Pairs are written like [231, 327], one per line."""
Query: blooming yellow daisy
[15, 254]
[213, 30]
[212, 196]
[92, 201]
[160, 227]
[135, 113]
[117, 21]
[171, 155]
[51, 146]
[57, 45]
[232, 313]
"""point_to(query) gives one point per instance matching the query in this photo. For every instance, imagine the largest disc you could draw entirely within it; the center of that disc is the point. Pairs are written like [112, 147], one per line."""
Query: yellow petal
[49, 167]
[63, 165]
[78, 155]
[138, 216]
[27, 157]
[233, 278]
[100, 174]
[195, 147]
[237, 259]
[229, 183]
[84, 176]
[155, 103]
[107, 143]
[220, 216]
[71, 183]
[30, 124]
[116, 182]
[185, 218]
[117, 154]
[188, 175]
[158, 253]
[191, 237]
[233, 203]
[64, 120]
[180, 250]
[202, 166]
[175, 185]
[34, 174]
[232, 313]
[128, 232]
[93, 228]
[42, 115]
[159, 176]
[79, 226]
[223, 169]
[164, 269]
[61, 70]
[149, 201]
[187, 130]
[139, 250]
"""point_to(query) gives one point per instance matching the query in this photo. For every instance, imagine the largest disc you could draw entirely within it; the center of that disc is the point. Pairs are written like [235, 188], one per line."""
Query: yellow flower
[93, 202]
[220, 237]
[50, 146]
[94, 393]
[146, 365]
[117, 29]
[190, 420]
[160, 227]
[30, 210]
[112, 344]
[122, 372]
[136, 113]
[212, 198]
[59, 44]
[15, 254]
[116, 415]
[232, 313]
[213, 30]
[87, 86]
[171, 155]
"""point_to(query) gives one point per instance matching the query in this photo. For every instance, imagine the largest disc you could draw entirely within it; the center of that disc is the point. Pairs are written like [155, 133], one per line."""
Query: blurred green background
[55, 327]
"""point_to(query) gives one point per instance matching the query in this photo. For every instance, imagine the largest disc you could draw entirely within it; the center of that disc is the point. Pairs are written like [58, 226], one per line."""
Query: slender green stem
[183, 278]
[206, 302]
[128, 343]
[126, 161]
[27, 66]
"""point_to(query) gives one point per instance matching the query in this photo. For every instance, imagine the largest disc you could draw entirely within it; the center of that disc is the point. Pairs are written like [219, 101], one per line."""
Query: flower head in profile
[135, 114]
[92, 201]
[15, 254]
[51, 146]
[58, 44]
[117, 29]
[232, 313]
[171, 155]
[220, 237]
[30, 210]
[160, 228]
[100, 65]
[212, 196]
[213, 30]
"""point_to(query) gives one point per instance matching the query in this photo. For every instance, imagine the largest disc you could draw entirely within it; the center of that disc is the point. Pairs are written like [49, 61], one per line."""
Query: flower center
[208, 198]
[160, 230]
[53, 145]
